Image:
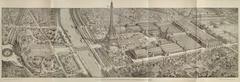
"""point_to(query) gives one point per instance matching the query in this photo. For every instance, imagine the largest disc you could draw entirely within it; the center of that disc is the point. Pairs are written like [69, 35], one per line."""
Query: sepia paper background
[119, 4]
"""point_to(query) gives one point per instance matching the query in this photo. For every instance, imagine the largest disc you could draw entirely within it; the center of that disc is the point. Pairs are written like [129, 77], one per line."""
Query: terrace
[149, 26]
[197, 34]
[186, 42]
[169, 28]
[171, 48]
[187, 26]
[206, 39]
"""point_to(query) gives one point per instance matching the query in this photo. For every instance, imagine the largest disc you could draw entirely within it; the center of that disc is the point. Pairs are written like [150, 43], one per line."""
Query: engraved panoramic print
[119, 42]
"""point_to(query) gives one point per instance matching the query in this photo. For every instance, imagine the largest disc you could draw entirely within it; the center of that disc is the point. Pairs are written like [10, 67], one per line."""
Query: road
[83, 30]
[77, 41]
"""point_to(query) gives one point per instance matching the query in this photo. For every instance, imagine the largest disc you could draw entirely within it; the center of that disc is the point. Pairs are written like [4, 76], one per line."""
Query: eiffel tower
[111, 32]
